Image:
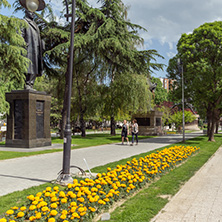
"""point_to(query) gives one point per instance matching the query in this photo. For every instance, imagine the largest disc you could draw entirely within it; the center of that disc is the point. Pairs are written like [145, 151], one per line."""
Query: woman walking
[135, 130]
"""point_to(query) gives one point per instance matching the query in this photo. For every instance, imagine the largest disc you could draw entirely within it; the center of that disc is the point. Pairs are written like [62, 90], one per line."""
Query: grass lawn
[89, 140]
[148, 202]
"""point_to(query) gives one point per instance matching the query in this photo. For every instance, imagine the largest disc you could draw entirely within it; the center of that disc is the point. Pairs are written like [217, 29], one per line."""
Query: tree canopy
[201, 53]
[13, 64]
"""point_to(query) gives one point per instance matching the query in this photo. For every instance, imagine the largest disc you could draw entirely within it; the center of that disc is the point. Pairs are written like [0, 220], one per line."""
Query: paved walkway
[20, 173]
[200, 199]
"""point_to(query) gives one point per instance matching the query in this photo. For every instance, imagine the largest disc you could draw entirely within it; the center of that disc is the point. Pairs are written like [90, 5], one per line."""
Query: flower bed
[85, 198]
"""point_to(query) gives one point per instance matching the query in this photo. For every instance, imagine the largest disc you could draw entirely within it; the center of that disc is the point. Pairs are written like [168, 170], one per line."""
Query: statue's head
[29, 14]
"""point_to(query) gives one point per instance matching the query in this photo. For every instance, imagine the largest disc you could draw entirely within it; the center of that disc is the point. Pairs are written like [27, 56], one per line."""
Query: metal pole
[183, 103]
[66, 177]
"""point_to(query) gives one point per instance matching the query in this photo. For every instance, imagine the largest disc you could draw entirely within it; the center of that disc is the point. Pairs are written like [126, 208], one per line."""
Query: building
[167, 83]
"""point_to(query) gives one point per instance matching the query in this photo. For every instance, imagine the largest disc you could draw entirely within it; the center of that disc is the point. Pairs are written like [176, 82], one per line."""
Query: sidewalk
[200, 199]
[21, 173]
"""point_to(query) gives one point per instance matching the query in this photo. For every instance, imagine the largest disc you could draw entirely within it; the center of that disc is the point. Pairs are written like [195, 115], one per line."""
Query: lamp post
[38, 5]
[180, 67]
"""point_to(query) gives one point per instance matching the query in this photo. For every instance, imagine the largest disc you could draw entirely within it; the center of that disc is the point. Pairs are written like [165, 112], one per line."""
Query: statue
[34, 46]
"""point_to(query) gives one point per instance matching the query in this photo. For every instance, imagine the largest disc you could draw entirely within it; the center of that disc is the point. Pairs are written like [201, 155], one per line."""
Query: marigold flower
[51, 219]
[15, 208]
[32, 207]
[53, 213]
[3, 220]
[63, 216]
[53, 205]
[31, 197]
[63, 200]
[20, 214]
[82, 213]
[48, 189]
[62, 194]
[44, 209]
[32, 218]
[56, 188]
[38, 215]
[10, 212]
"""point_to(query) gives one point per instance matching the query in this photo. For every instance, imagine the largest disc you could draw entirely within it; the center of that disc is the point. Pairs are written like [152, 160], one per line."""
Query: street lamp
[38, 5]
[180, 67]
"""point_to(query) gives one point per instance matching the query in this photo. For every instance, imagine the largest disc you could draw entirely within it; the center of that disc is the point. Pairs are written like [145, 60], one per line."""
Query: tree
[13, 64]
[177, 118]
[161, 94]
[119, 38]
[201, 54]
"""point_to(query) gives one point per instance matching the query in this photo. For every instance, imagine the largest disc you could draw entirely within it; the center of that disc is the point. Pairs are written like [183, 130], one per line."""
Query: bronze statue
[34, 46]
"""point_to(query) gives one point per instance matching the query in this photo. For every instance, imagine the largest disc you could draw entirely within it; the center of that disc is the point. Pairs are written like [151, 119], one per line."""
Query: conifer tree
[13, 64]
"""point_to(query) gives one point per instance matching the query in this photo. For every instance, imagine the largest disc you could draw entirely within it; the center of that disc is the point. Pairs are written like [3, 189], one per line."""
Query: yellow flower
[64, 212]
[53, 199]
[38, 215]
[62, 194]
[32, 207]
[22, 208]
[10, 212]
[81, 209]
[82, 214]
[31, 197]
[3, 220]
[63, 217]
[20, 214]
[51, 219]
[53, 213]
[44, 209]
[32, 218]
[63, 200]
[53, 205]
[39, 194]
[73, 204]
[15, 208]
[56, 188]
[92, 209]
[47, 194]
[48, 189]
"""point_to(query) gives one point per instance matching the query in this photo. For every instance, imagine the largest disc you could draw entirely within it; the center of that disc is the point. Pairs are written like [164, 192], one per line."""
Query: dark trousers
[134, 134]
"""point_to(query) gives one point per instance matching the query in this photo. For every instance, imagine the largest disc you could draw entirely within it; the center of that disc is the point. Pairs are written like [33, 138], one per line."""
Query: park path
[21, 173]
[200, 199]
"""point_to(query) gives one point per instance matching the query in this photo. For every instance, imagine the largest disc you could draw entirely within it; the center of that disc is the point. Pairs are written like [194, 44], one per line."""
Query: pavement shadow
[25, 178]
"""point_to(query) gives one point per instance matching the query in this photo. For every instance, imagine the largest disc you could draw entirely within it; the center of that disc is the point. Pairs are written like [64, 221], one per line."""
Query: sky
[164, 20]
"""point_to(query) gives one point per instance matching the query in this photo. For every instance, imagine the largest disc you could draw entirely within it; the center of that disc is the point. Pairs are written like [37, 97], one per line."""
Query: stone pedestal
[28, 124]
[150, 123]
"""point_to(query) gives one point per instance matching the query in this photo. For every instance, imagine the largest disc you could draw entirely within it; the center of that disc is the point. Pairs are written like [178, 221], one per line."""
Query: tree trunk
[212, 127]
[65, 109]
[82, 124]
[217, 126]
[113, 126]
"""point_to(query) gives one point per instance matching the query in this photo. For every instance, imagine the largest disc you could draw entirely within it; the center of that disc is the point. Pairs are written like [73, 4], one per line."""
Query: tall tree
[13, 64]
[201, 55]
[117, 47]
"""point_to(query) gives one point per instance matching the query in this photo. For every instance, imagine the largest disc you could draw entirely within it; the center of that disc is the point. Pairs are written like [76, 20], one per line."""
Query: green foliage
[177, 118]
[13, 64]
[201, 55]
[161, 94]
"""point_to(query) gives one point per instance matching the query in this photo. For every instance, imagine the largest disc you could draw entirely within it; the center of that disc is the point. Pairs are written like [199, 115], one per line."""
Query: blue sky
[165, 21]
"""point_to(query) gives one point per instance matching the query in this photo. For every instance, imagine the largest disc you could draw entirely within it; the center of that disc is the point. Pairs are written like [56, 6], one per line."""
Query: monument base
[150, 123]
[28, 123]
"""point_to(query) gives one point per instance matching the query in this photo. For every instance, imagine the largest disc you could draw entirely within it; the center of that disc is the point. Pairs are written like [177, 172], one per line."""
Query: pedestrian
[124, 132]
[135, 130]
